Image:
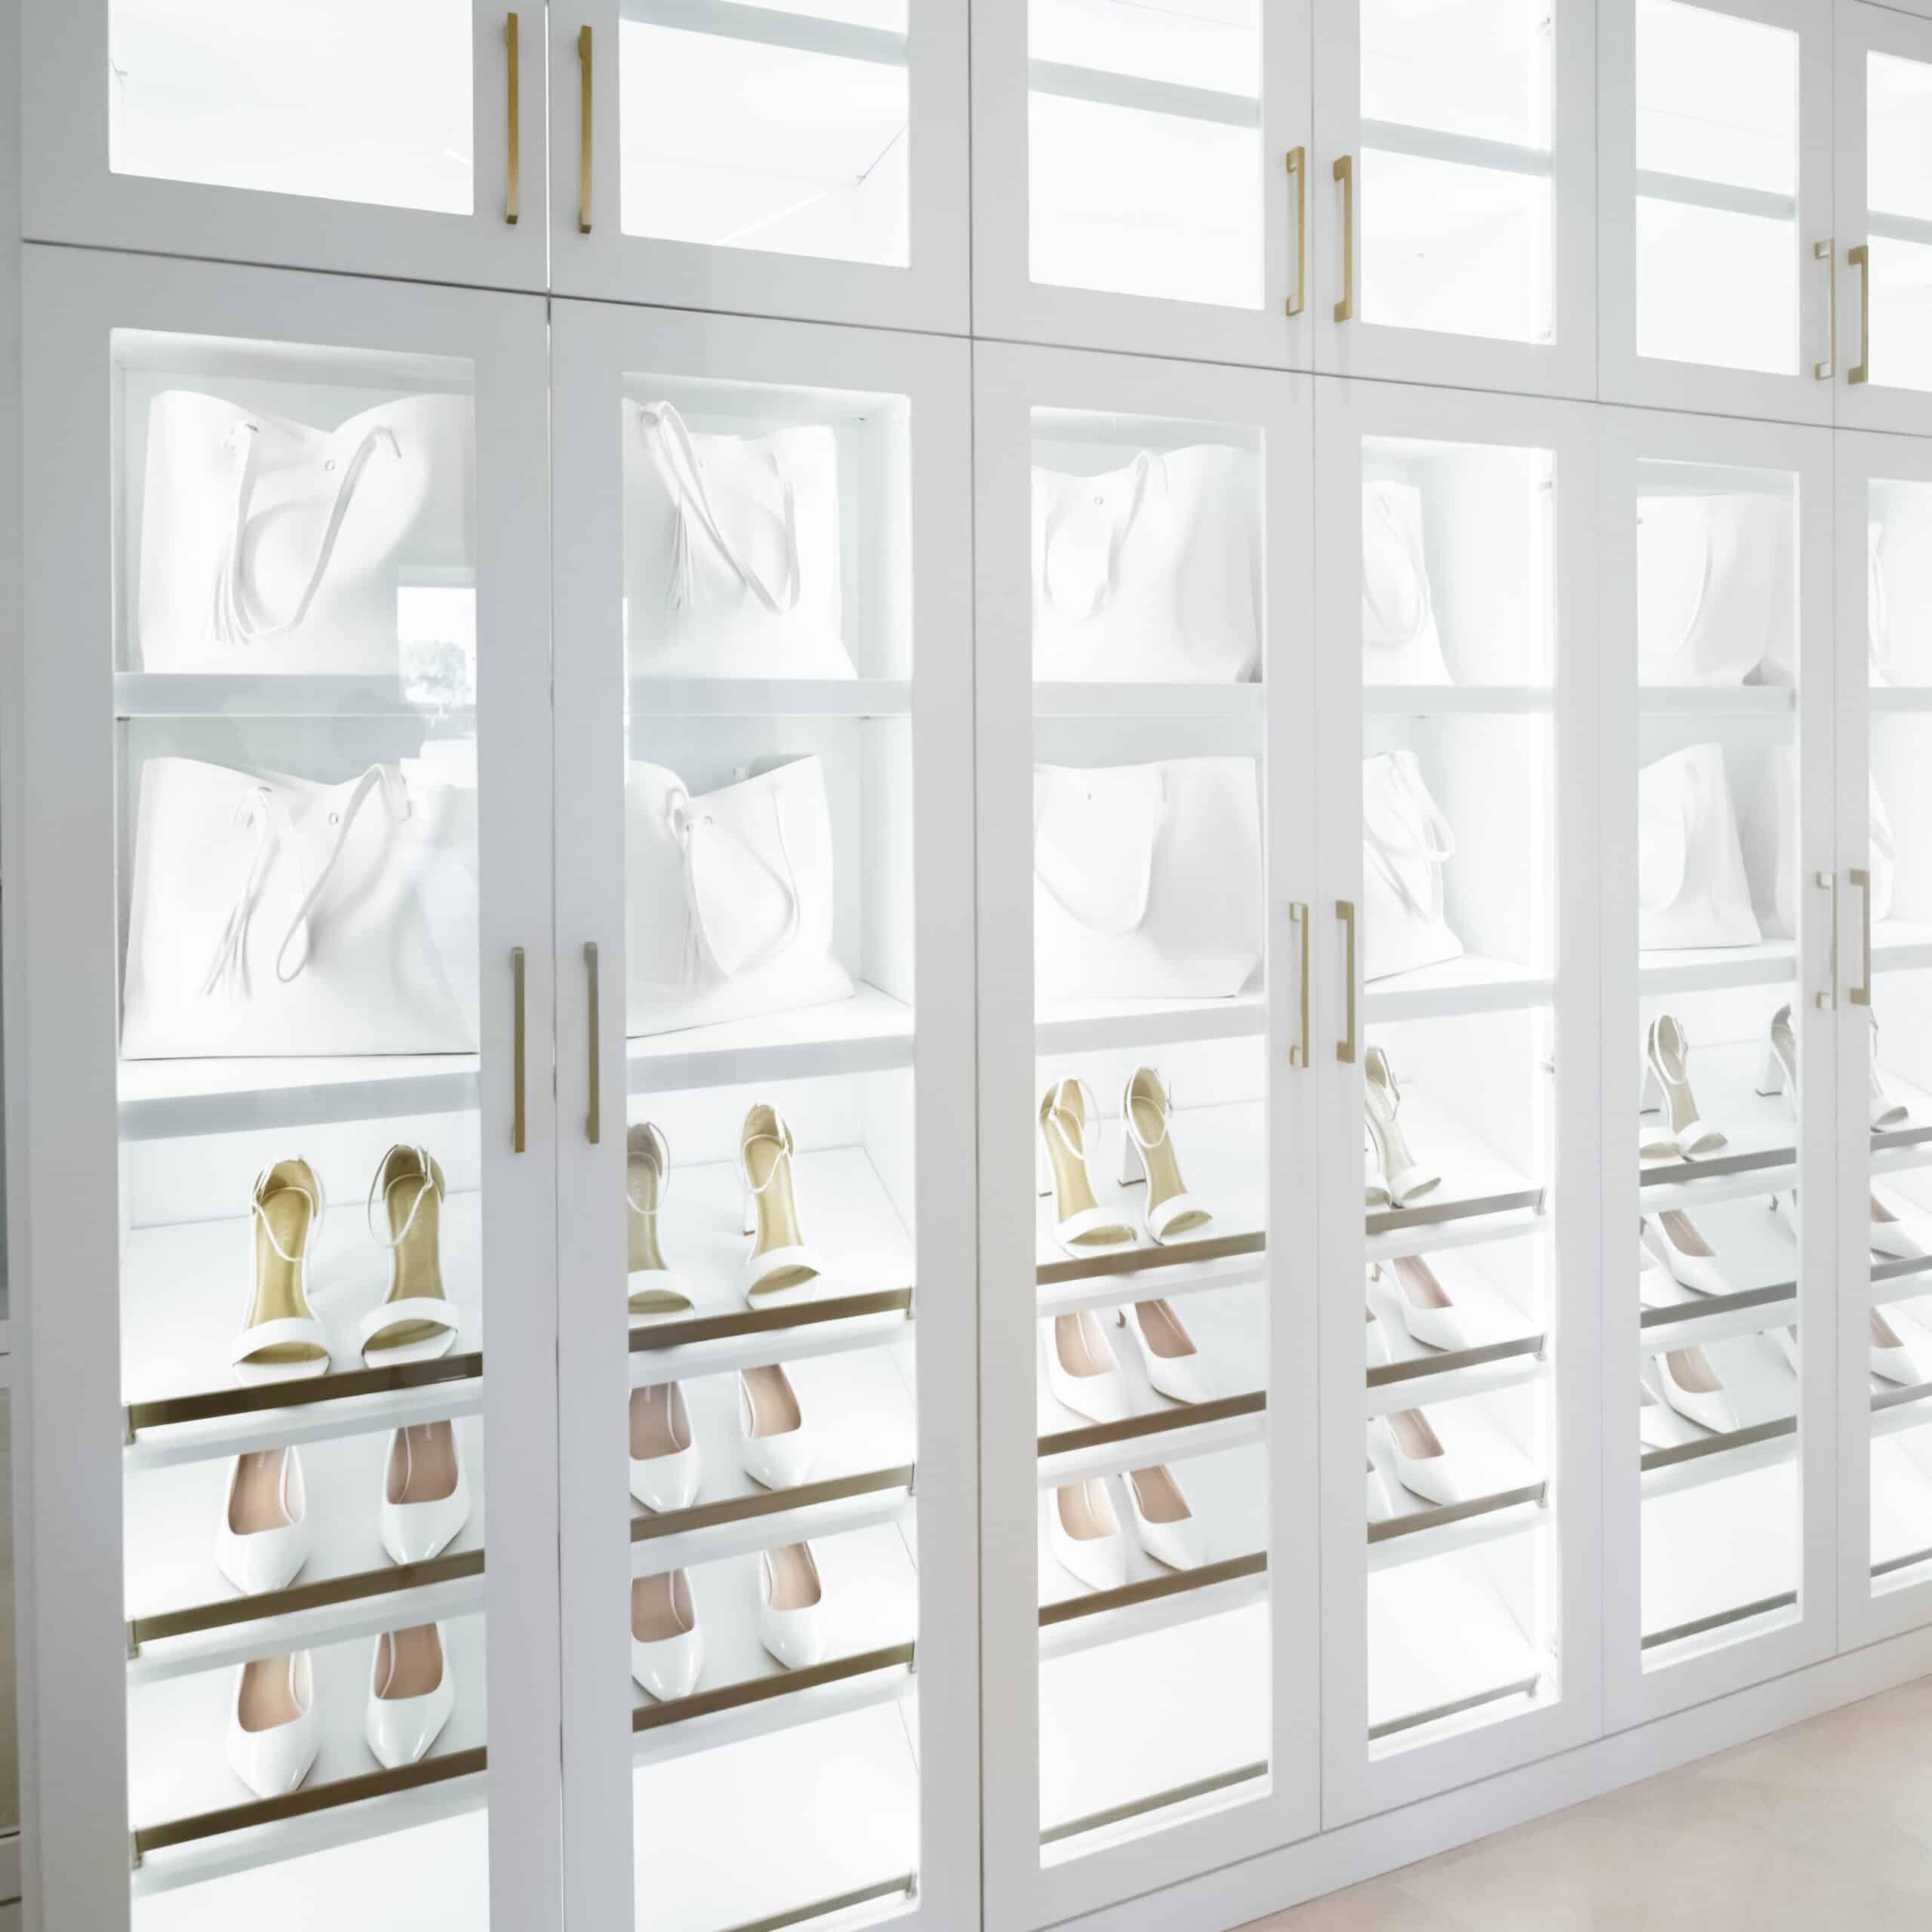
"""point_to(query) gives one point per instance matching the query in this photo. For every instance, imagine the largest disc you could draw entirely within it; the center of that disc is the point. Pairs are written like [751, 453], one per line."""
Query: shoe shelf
[1755, 702]
[859, 1409]
[1901, 1503]
[1764, 1395]
[1074, 1026]
[1505, 1490]
[1477, 1181]
[1471, 984]
[1760, 1153]
[845, 1835]
[1771, 962]
[1507, 1224]
[193, 1819]
[217, 694]
[770, 697]
[1171, 1278]
[1717, 1556]
[1506, 1341]
[1895, 1279]
[1901, 945]
[1754, 1247]
[864, 1295]
[184, 1289]
[868, 1033]
[1456, 700]
[184, 1615]
[1243, 708]
[872, 1600]
[163, 1100]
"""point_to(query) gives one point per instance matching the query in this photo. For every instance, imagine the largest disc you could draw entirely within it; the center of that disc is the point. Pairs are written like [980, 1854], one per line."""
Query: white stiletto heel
[1167, 1351]
[263, 1539]
[426, 1495]
[773, 1444]
[1666, 1055]
[790, 1606]
[1674, 1239]
[664, 1458]
[1780, 1073]
[1692, 1388]
[1405, 1177]
[1085, 1534]
[1164, 1522]
[1895, 1228]
[1422, 1463]
[1082, 1373]
[1894, 1358]
[1427, 1313]
[666, 1652]
[1068, 1118]
[410, 1694]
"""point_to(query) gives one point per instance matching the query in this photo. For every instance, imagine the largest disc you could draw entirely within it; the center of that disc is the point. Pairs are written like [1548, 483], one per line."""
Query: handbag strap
[1144, 890]
[1058, 516]
[1410, 539]
[230, 619]
[672, 450]
[1429, 836]
[695, 830]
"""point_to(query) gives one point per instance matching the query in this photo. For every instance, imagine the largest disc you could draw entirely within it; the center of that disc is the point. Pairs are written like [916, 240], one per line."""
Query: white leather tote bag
[1147, 879]
[1900, 593]
[1147, 574]
[1782, 802]
[274, 915]
[1401, 644]
[1714, 587]
[1406, 842]
[730, 897]
[731, 556]
[269, 546]
[1691, 887]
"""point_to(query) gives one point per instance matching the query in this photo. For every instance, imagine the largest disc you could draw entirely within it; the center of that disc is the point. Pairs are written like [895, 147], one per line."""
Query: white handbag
[1714, 587]
[730, 897]
[274, 915]
[1401, 644]
[1691, 887]
[1406, 842]
[270, 545]
[1783, 803]
[1147, 879]
[1147, 574]
[731, 553]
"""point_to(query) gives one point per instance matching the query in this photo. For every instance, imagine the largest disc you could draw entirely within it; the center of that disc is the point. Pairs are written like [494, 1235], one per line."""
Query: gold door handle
[517, 1115]
[1298, 173]
[1298, 1050]
[1861, 994]
[1823, 252]
[1860, 258]
[1829, 882]
[1345, 911]
[1345, 309]
[512, 184]
[583, 149]
[593, 1121]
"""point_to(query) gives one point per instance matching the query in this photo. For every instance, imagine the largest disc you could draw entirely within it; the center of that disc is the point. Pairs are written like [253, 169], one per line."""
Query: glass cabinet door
[1715, 206]
[1884, 1087]
[766, 1173]
[1146, 1181]
[799, 157]
[1140, 177]
[1453, 191]
[1717, 1055]
[287, 928]
[1455, 1031]
[1883, 171]
[341, 134]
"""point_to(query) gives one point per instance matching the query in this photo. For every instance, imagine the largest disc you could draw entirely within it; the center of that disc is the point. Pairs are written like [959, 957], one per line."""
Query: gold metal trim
[767, 1321]
[1824, 251]
[1298, 174]
[1456, 1512]
[1177, 1584]
[1698, 1625]
[593, 1122]
[363, 1583]
[583, 148]
[769, 1502]
[1345, 911]
[1139, 1260]
[260, 1397]
[1345, 173]
[1385, 1374]
[761, 1690]
[1163, 1422]
[512, 184]
[517, 1121]
[1716, 1445]
[1298, 1053]
[1861, 994]
[1860, 258]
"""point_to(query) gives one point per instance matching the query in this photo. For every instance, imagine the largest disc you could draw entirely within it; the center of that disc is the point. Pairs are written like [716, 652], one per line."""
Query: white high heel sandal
[654, 1289]
[282, 1340]
[1692, 1262]
[1404, 1176]
[781, 1269]
[1887, 1113]
[1082, 1373]
[1085, 1534]
[1167, 1351]
[1666, 1085]
[415, 1321]
[1147, 1154]
[262, 1538]
[426, 1495]
[1691, 1386]
[1081, 1225]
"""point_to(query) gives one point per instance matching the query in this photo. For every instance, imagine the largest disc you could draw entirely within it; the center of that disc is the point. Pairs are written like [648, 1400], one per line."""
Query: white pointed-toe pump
[664, 1458]
[262, 1538]
[273, 1732]
[773, 1444]
[790, 1606]
[410, 1694]
[1082, 1372]
[1693, 1388]
[666, 1652]
[426, 1495]
[1085, 1534]
[1164, 1522]
[1167, 1351]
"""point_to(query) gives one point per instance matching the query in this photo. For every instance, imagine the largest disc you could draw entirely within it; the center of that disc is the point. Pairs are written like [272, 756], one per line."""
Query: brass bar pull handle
[1345, 911]
[1829, 882]
[1861, 994]
[1345, 173]
[517, 1118]
[1823, 251]
[583, 149]
[1298, 174]
[1298, 1050]
[1860, 258]
[512, 182]
[593, 1123]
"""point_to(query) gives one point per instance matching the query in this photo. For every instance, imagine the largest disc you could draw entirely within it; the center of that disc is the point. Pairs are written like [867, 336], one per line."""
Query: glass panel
[296, 722]
[10, 1722]
[1457, 940]
[1479, 68]
[1718, 795]
[1898, 164]
[1151, 1125]
[1716, 210]
[755, 127]
[773, 1529]
[348, 100]
[1145, 148]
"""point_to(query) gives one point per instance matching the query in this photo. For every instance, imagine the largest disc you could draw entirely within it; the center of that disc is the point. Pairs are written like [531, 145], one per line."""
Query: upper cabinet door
[799, 157]
[1884, 174]
[1716, 207]
[1141, 176]
[343, 134]
[1455, 156]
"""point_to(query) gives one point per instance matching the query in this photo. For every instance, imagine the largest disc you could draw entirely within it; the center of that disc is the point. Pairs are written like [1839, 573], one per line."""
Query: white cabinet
[338, 134]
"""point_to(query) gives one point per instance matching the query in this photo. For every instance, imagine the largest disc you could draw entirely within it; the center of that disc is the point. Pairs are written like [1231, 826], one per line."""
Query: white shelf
[870, 1032]
[1246, 703]
[1488, 1314]
[1470, 984]
[1489, 1464]
[1755, 1250]
[1750, 701]
[1076, 1026]
[1478, 1184]
[1901, 1496]
[1718, 1548]
[770, 697]
[1456, 700]
[1186, 1280]
[164, 1099]
[1700, 969]
[181, 694]
[1901, 946]
[1763, 1390]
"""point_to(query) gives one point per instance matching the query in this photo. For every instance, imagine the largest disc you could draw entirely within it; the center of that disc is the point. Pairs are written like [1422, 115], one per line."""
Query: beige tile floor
[1823, 1826]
